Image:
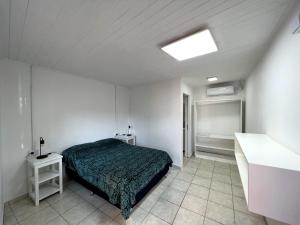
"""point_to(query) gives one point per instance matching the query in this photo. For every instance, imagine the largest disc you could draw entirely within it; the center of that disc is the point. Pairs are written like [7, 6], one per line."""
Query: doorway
[185, 128]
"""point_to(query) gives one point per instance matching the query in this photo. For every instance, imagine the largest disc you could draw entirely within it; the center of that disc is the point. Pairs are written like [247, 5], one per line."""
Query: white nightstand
[44, 176]
[127, 139]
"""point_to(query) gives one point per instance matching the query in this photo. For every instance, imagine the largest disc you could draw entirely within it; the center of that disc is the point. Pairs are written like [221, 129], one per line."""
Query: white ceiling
[118, 40]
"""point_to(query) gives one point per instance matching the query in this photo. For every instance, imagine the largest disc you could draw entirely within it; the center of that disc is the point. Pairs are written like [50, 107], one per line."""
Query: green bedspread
[116, 168]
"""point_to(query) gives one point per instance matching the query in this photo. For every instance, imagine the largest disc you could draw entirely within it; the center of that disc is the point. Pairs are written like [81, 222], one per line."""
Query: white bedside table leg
[60, 178]
[52, 168]
[36, 185]
[30, 175]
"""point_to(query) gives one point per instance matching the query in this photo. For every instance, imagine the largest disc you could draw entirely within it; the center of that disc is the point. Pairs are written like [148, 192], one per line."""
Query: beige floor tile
[185, 160]
[192, 164]
[90, 197]
[209, 168]
[174, 196]
[83, 192]
[223, 171]
[18, 199]
[95, 200]
[222, 187]
[96, 218]
[167, 181]
[236, 180]
[74, 186]
[148, 202]
[211, 222]
[113, 223]
[241, 206]
[221, 178]
[20, 203]
[158, 190]
[234, 167]
[187, 177]
[244, 219]
[7, 210]
[67, 203]
[173, 172]
[78, 213]
[25, 208]
[10, 220]
[153, 220]
[221, 198]
[238, 191]
[201, 181]
[195, 204]
[110, 210]
[220, 213]
[165, 210]
[203, 173]
[191, 170]
[195, 160]
[41, 218]
[234, 170]
[222, 165]
[234, 173]
[198, 191]
[187, 217]
[180, 185]
[207, 162]
[58, 221]
[56, 197]
[137, 217]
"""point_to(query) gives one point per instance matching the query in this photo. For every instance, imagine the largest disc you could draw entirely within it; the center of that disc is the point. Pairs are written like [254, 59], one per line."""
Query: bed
[118, 172]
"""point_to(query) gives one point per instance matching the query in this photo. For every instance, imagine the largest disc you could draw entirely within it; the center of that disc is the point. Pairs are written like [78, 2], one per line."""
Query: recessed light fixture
[200, 43]
[211, 79]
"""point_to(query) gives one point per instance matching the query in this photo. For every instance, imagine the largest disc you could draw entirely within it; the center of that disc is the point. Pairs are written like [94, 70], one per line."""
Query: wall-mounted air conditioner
[226, 90]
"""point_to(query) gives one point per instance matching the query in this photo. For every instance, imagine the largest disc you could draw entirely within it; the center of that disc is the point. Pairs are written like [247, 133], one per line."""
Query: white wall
[1, 174]
[69, 110]
[186, 89]
[122, 109]
[156, 116]
[15, 126]
[272, 90]
[220, 119]
[4, 27]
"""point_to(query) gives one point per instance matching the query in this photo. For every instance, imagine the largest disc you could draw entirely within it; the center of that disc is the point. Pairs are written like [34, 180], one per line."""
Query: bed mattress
[118, 169]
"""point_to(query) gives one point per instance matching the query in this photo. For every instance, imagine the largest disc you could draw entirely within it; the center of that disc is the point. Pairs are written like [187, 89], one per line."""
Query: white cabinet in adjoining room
[215, 122]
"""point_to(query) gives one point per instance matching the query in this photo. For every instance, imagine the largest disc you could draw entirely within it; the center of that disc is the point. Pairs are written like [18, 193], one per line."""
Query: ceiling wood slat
[119, 40]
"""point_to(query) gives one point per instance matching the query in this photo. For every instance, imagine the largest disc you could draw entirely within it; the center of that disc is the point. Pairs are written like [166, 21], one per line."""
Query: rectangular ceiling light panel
[197, 44]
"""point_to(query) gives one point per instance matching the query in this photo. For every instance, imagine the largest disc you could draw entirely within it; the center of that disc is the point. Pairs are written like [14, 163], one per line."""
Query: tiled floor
[203, 193]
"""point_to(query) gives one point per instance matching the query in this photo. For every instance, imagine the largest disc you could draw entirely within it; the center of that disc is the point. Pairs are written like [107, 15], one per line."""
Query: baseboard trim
[21, 197]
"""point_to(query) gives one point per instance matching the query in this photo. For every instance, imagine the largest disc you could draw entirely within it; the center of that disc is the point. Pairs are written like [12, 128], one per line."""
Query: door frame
[187, 125]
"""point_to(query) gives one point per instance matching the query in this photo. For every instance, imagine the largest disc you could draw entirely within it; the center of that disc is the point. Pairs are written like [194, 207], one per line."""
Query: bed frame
[139, 196]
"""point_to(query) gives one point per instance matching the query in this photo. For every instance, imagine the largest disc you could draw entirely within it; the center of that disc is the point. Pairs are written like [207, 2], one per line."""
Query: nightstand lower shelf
[46, 190]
